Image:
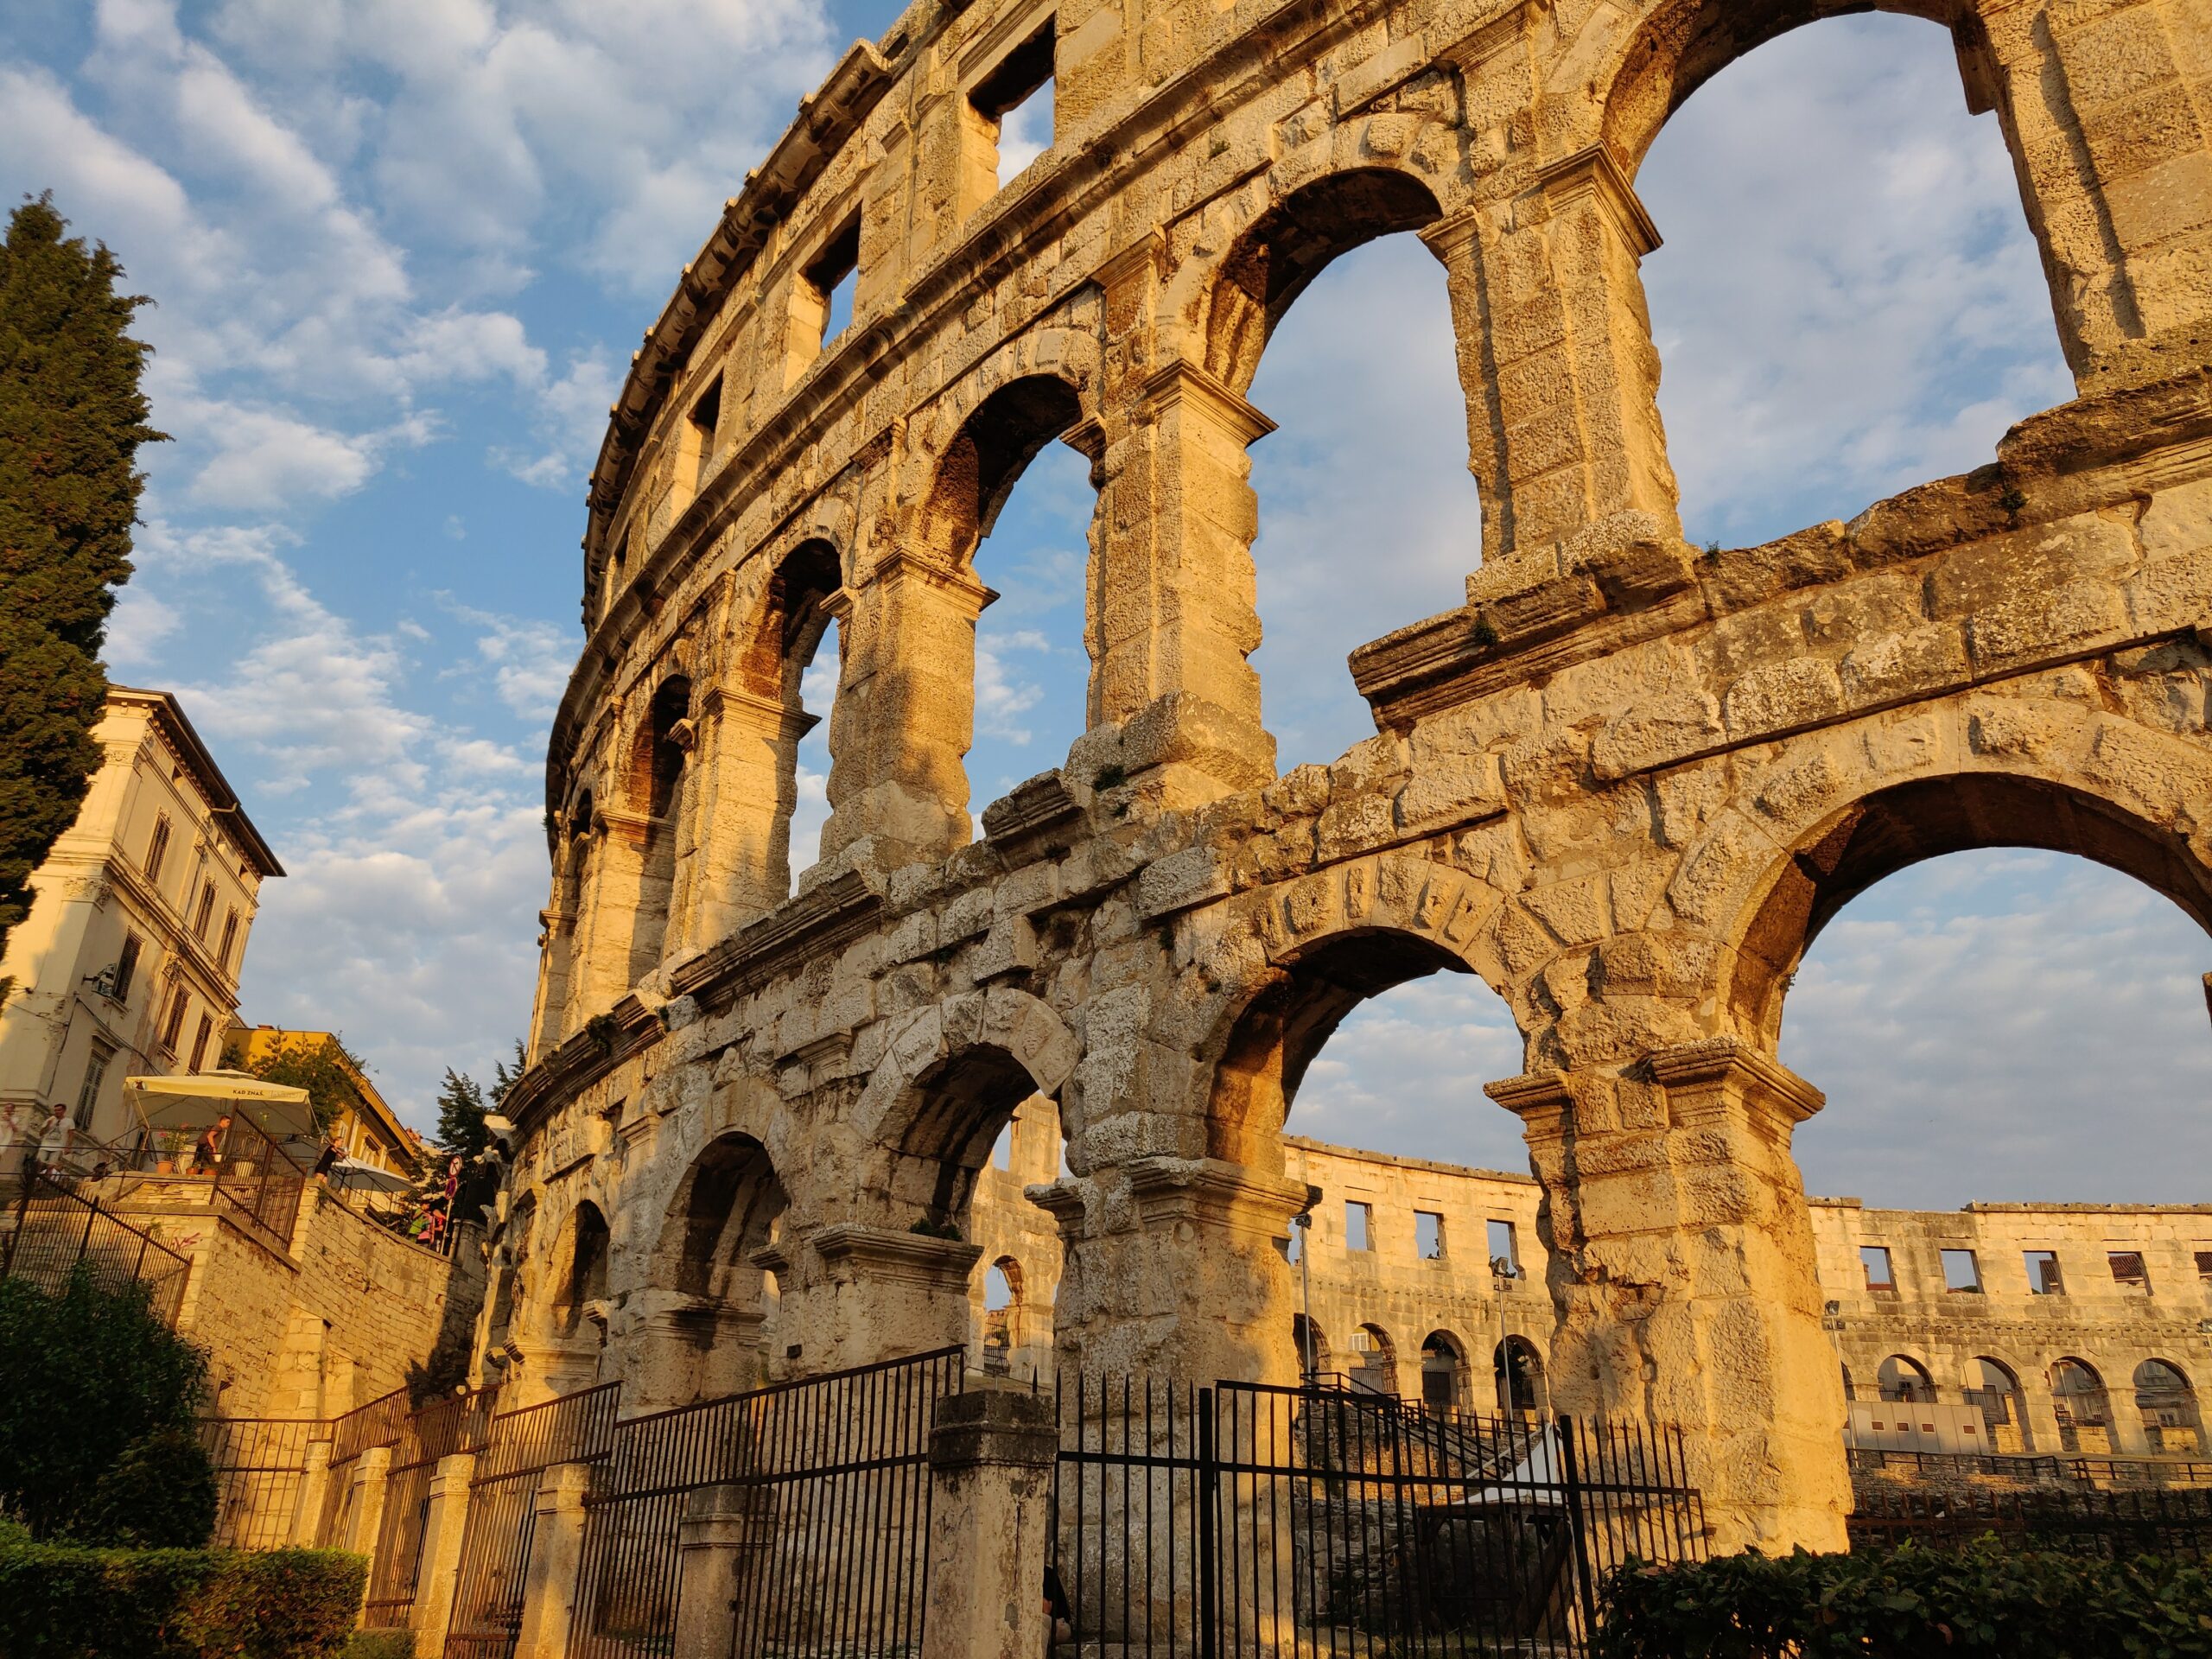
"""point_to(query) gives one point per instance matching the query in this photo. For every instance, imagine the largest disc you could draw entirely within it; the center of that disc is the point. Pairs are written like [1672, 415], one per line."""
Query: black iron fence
[1322, 1520]
[378, 1423]
[426, 1437]
[55, 1228]
[260, 1465]
[832, 1474]
[2111, 1524]
[2038, 1469]
[488, 1604]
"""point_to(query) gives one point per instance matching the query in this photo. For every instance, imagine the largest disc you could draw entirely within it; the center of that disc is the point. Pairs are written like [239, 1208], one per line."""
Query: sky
[402, 249]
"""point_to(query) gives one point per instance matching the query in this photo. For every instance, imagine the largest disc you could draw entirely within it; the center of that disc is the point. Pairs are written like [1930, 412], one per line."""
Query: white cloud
[1003, 695]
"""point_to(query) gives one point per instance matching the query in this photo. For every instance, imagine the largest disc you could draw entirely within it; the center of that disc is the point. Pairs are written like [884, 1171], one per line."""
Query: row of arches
[2082, 1408]
[1446, 1381]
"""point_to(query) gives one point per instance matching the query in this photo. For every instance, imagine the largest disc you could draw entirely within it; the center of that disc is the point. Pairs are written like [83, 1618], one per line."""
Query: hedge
[1984, 1599]
[58, 1602]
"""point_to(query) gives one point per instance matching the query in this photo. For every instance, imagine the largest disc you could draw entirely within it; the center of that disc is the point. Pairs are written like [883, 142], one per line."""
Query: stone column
[2108, 109]
[557, 1548]
[1557, 364]
[1176, 613]
[364, 1507]
[437, 1575]
[314, 1487]
[2041, 1412]
[867, 1293]
[720, 1543]
[1682, 1278]
[991, 1455]
[556, 944]
[905, 712]
[599, 971]
[744, 776]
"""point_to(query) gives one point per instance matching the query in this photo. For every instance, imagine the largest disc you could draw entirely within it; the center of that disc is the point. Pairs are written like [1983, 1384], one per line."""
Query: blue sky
[402, 249]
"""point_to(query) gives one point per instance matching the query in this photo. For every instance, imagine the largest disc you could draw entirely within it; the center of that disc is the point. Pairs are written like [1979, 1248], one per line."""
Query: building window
[2042, 1272]
[158, 849]
[697, 457]
[2205, 1268]
[230, 939]
[200, 1040]
[1881, 1278]
[822, 299]
[1359, 1225]
[2127, 1269]
[88, 1092]
[172, 1022]
[126, 967]
[1428, 1235]
[1962, 1272]
[205, 912]
[1016, 100]
[1504, 1250]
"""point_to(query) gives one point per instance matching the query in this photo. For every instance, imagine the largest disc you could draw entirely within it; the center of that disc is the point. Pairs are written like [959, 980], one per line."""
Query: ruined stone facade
[1625, 783]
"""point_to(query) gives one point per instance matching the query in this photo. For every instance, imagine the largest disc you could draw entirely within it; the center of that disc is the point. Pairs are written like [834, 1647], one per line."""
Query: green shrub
[379, 1644]
[60, 1601]
[160, 1494]
[1985, 1600]
[85, 1377]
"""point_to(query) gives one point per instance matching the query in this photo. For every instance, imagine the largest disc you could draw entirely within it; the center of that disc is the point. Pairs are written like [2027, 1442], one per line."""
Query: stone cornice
[1182, 382]
[886, 1257]
[820, 919]
[1718, 1062]
[1593, 171]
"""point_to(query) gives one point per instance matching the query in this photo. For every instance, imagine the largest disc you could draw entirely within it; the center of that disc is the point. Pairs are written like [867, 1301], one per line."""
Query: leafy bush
[379, 1644]
[85, 1376]
[1987, 1599]
[160, 1494]
[58, 1602]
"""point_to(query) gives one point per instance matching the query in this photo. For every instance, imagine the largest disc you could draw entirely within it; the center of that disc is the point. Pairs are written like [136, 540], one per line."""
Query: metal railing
[55, 1230]
[378, 1423]
[488, 1604]
[2111, 1524]
[1334, 1523]
[260, 1463]
[2041, 1468]
[436, 1431]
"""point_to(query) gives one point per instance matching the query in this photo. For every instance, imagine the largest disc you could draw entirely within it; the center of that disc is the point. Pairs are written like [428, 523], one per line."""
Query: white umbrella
[277, 1110]
[368, 1178]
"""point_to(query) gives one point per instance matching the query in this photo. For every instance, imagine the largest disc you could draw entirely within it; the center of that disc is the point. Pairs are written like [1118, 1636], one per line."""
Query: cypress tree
[72, 418]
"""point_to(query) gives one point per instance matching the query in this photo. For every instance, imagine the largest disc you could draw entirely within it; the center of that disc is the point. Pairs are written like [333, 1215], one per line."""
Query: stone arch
[980, 463]
[1274, 258]
[2082, 1405]
[2167, 1399]
[1004, 1289]
[1444, 1380]
[1375, 1359]
[1905, 1380]
[1996, 1390]
[1518, 1377]
[705, 1304]
[1311, 1344]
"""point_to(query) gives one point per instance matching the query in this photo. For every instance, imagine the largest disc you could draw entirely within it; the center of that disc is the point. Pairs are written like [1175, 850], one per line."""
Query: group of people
[29, 1148]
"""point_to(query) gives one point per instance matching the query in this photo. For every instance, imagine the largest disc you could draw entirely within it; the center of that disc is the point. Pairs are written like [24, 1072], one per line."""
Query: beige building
[367, 1130]
[127, 963]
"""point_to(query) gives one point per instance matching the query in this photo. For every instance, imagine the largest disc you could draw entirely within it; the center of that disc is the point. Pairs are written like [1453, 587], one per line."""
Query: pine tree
[461, 1115]
[72, 418]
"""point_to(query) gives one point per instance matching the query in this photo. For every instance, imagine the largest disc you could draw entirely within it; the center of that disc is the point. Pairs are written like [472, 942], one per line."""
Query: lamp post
[1503, 1271]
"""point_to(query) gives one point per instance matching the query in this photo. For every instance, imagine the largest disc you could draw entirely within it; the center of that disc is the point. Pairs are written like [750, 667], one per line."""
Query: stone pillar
[1682, 1278]
[686, 1348]
[364, 1507]
[1175, 1267]
[556, 945]
[991, 1454]
[2041, 1412]
[2106, 110]
[905, 712]
[867, 1293]
[313, 1493]
[720, 1543]
[437, 1575]
[599, 972]
[1563, 416]
[738, 804]
[557, 1548]
[1176, 616]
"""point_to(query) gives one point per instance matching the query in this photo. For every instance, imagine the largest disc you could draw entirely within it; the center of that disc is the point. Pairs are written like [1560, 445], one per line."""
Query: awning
[277, 1110]
[353, 1174]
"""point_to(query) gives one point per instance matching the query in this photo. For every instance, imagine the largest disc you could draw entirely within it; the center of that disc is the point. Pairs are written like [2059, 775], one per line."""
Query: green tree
[323, 1066]
[72, 418]
[97, 1399]
[461, 1115]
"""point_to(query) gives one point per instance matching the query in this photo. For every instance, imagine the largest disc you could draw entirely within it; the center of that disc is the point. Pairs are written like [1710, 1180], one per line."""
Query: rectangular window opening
[2127, 1269]
[199, 1042]
[126, 967]
[173, 1023]
[206, 911]
[1504, 1250]
[2205, 1268]
[88, 1092]
[706, 415]
[1962, 1272]
[834, 274]
[1359, 1225]
[158, 850]
[2042, 1272]
[1017, 97]
[1428, 1235]
[1875, 1259]
[230, 939]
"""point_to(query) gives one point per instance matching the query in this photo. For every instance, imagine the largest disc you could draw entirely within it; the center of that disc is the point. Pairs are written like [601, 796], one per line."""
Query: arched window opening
[2003, 1407]
[2171, 1423]
[959, 1108]
[1443, 1375]
[657, 761]
[1858, 310]
[792, 668]
[710, 1326]
[583, 1276]
[1980, 1007]
[1001, 1332]
[1517, 1376]
[2083, 1409]
[1905, 1380]
[1370, 450]
[571, 871]
[1314, 1358]
[1374, 1360]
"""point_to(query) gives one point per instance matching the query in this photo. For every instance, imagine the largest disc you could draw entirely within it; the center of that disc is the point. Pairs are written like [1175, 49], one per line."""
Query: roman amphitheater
[1625, 784]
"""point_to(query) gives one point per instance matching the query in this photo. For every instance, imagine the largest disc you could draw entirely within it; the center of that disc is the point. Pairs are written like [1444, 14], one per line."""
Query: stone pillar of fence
[443, 1524]
[556, 1547]
[991, 1456]
[724, 1528]
[314, 1486]
[365, 1511]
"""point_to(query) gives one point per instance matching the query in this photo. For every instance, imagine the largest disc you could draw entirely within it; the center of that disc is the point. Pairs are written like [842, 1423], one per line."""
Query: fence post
[364, 1514]
[315, 1482]
[724, 1528]
[556, 1547]
[442, 1527]
[1209, 1543]
[1570, 1466]
[992, 1450]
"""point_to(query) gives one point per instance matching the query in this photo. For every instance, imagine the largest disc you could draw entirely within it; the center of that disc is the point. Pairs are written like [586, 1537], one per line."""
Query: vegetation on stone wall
[72, 418]
[323, 1066]
[98, 1403]
[1986, 1598]
[61, 1602]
